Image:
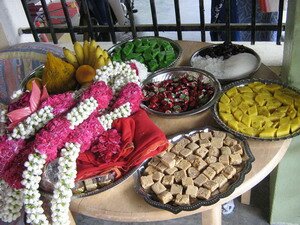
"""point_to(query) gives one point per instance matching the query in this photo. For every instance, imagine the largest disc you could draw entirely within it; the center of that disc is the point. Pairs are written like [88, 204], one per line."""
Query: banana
[86, 46]
[105, 54]
[99, 62]
[99, 51]
[92, 51]
[79, 52]
[70, 57]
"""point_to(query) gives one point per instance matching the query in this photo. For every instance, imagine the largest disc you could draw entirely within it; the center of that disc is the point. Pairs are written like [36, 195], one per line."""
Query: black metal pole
[228, 27]
[279, 24]
[253, 22]
[202, 20]
[49, 23]
[31, 24]
[131, 18]
[111, 23]
[178, 20]
[89, 21]
[68, 20]
[154, 17]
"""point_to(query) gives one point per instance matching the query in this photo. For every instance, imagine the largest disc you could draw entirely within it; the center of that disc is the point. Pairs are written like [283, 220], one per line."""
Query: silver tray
[203, 52]
[152, 199]
[31, 75]
[240, 83]
[170, 73]
[176, 47]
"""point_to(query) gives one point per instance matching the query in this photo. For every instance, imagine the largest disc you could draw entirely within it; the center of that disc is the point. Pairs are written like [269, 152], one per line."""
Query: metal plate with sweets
[196, 203]
[83, 188]
[176, 47]
[243, 83]
[37, 72]
[176, 73]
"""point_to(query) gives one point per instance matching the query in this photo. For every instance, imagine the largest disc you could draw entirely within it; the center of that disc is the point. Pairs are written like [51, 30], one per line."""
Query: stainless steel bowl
[176, 47]
[31, 75]
[204, 52]
[170, 73]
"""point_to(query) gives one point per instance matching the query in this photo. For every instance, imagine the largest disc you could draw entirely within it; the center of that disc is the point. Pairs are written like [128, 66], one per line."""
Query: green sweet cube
[153, 65]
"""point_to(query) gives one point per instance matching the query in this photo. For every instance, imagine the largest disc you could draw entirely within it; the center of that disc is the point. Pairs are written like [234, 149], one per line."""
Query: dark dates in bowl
[180, 91]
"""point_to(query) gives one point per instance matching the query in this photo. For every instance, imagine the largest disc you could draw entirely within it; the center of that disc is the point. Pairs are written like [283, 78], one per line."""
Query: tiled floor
[254, 214]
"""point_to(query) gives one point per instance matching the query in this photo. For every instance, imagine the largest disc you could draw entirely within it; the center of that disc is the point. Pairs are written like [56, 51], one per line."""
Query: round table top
[122, 203]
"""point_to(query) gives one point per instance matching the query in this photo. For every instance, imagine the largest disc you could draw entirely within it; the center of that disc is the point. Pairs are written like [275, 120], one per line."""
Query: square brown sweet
[235, 159]
[193, 172]
[176, 149]
[200, 180]
[168, 180]
[178, 159]
[229, 171]
[158, 188]
[186, 181]
[168, 161]
[146, 181]
[183, 142]
[165, 197]
[176, 189]
[184, 164]
[195, 137]
[157, 176]
[215, 192]
[154, 161]
[161, 167]
[206, 135]
[217, 142]
[217, 166]
[150, 170]
[191, 158]
[224, 159]
[225, 150]
[211, 185]
[221, 180]
[204, 143]
[169, 155]
[199, 164]
[203, 193]
[193, 146]
[182, 199]
[224, 187]
[230, 141]
[213, 151]
[202, 152]
[210, 173]
[185, 152]
[171, 171]
[211, 159]
[192, 191]
[164, 152]
[219, 134]
[237, 149]
[179, 175]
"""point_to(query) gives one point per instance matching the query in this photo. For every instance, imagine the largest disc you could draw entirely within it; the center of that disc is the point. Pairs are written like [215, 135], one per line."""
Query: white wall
[12, 17]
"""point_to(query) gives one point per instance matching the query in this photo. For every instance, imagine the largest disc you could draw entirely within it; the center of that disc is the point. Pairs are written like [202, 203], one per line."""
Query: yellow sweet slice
[232, 92]
[249, 102]
[295, 124]
[251, 131]
[268, 132]
[255, 84]
[224, 99]
[268, 123]
[273, 104]
[265, 93]
[237, 99]
[244, 89]
[261, 100]
[246, 120]
[284, 120]
[275, 124]
[242, 127]
[263, 111]
[234, 104]
[234, 108]
[248, 95]
[292, 112]
[297, 103]
[283, 130]
[226, 116]
[238, 114]
[285, 99]
[273, 87]
[275, 116]
[224, 107]
[283, 109]
[290, 92]
[233, 124]
[252, 111]
[257, 122]
[258, 87]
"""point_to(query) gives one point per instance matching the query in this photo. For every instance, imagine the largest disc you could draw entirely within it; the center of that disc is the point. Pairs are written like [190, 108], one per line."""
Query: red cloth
[141, 139]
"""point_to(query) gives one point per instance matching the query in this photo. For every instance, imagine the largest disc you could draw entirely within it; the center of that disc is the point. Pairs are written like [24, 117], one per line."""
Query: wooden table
[123, 204]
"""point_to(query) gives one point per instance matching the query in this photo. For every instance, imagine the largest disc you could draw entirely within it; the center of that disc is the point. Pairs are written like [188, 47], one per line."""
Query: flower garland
[10, 202]
[3, 119]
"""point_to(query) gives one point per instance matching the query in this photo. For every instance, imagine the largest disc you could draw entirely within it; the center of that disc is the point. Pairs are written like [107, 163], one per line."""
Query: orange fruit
[38, 81]
[85, 74]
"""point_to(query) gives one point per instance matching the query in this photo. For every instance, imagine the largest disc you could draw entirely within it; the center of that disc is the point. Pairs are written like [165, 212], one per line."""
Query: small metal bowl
[176, 47]
[206, 52]
[170, 73]
[31, 75]
[237, 180]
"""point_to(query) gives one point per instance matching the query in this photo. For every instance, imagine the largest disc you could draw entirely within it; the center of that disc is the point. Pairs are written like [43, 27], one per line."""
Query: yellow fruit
[38, 81]
[70, 57]
[85, 74]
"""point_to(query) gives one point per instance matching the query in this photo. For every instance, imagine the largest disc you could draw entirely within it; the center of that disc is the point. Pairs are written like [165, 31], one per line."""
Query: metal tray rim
[245, 82]
[177, 209]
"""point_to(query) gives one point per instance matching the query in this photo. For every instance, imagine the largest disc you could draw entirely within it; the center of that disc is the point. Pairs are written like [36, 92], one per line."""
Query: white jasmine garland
[82, 111]
[33, 123]
[31, 179]
[122, 112]
[3, 118]
[11, 202]
[143, 71]
[16, 94]
[62, 189]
